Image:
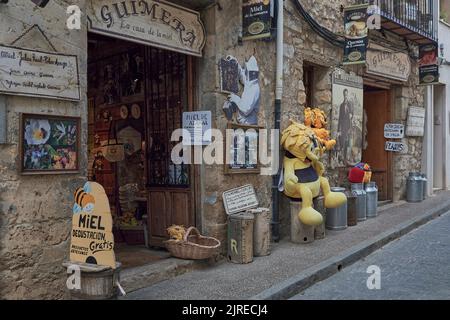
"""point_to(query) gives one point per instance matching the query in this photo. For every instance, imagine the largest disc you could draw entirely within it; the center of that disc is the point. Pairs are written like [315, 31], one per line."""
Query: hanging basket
[193, 246]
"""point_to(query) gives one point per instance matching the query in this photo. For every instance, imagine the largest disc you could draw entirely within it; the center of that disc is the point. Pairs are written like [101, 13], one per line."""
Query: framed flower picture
[49, 144]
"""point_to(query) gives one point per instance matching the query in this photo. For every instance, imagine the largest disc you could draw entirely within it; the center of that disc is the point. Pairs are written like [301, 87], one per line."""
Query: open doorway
[138, 94]
[377, 112]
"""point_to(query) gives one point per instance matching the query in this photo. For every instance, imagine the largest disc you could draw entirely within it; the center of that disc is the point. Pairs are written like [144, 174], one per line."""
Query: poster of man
[347, 119]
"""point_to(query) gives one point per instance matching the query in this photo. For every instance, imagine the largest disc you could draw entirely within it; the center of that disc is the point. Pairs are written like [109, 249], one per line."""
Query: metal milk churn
[424, 185]
[261, 231]
[336, 218]
[352, 209]
[240, 237]
[414, 187]
[372, 199]
[361, 200]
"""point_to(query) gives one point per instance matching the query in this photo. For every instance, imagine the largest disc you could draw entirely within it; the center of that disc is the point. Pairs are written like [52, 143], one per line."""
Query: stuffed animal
[176, 232]
[316, 119]
[303, 172]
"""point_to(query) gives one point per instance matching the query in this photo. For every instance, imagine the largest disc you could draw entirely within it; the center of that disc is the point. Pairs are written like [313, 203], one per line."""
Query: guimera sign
[157, 23]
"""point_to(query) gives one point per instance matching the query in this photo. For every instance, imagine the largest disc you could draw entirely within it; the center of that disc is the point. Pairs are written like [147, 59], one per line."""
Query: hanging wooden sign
[158, 23]
[38, 74]
[92, 240]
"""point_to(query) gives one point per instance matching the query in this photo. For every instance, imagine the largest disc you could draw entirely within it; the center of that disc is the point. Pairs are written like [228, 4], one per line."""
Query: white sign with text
[395, 146]
[394, 131]
[38, 74]
[158, 23]
[415, 124]
[198, 124]
[240, 199]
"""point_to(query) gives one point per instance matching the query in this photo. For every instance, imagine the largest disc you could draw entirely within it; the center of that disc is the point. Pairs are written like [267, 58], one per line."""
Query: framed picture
[49, 144]
[241, 149]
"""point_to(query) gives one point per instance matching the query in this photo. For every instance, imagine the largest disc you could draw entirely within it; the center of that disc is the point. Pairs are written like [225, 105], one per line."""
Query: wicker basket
[193, 246]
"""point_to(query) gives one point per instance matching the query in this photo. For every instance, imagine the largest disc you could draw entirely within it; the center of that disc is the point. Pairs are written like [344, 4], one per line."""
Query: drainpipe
[278, 96]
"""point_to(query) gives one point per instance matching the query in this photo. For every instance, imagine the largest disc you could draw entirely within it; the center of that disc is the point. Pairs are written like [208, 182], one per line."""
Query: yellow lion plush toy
[316, 119]
[303, 172]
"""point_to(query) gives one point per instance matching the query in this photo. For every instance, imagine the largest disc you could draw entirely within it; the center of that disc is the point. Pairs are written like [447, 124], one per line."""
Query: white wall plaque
[197, 123]
[240, 199]
[416, 122]
[395, 146]
[394, 131]
[38, 74]
[158, 23]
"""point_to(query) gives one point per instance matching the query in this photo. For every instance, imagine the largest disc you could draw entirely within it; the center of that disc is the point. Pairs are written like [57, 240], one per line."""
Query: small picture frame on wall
[49, 144]
[241, 149]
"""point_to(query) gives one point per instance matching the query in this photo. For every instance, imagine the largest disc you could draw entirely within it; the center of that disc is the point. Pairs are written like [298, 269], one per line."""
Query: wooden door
[170, 187]
[377, 111]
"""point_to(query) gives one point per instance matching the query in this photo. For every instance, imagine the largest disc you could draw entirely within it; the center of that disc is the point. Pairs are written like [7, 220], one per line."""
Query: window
[308, 81]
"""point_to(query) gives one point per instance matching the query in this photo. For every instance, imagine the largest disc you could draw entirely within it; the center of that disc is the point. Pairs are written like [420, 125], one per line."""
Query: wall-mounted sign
[428, 64]
[38, 74]
[158, 23]
[256, 19]
[347, 119]
[394, 131]
[92, 240]
[240, 199]
[388, 64]
[356, 31]
[395, 146]
[415, 123]
[198, 124]
[242, 149]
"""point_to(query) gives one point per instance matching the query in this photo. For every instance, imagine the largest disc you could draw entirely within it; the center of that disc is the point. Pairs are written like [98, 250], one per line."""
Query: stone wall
[35, 215]
[223, 30]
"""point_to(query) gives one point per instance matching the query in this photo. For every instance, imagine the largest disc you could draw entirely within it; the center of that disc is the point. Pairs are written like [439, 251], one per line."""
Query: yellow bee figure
[303, 172]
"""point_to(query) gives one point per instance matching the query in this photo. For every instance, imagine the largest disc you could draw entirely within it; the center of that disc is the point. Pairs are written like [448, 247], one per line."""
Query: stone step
[140, 277]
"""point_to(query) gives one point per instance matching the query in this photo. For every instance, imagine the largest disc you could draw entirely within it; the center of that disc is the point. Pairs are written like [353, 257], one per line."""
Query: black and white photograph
[347, 119]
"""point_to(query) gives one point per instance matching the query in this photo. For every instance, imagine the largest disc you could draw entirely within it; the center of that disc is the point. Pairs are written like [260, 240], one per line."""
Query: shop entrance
[138, 94]
[377, 106]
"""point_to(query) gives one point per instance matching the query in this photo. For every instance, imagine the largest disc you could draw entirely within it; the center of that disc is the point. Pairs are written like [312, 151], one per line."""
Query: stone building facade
[35, 211]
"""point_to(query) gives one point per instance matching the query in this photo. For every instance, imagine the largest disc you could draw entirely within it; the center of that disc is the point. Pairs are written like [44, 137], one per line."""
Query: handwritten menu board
[240, 199]
[38, 74]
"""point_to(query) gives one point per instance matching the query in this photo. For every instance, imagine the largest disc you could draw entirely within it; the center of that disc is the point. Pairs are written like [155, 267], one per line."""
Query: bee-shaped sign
[84, 202]
[92, 240]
